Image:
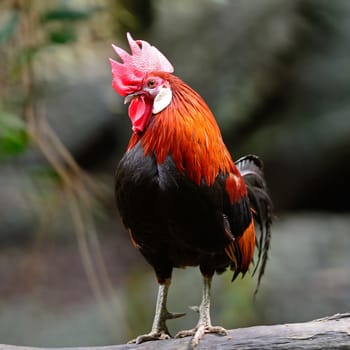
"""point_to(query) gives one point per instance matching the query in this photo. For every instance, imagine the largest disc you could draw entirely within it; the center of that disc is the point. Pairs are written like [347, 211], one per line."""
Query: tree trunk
[327, 333]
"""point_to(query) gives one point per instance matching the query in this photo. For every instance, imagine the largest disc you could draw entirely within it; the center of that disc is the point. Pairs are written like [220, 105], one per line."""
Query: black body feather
[175, 222]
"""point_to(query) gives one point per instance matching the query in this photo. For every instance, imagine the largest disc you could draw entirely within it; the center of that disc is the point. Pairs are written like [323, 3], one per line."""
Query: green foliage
[58, 27]
[23, 58]
[64, 16]
[68, 14]
[44, 173]
[9, 27]
[62, 35]
[13, 135]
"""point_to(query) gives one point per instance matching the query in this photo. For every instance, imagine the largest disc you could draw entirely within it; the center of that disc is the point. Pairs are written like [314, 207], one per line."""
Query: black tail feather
[251, 168]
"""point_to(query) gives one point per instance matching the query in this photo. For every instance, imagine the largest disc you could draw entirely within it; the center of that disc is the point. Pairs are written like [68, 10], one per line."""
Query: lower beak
[129, 97]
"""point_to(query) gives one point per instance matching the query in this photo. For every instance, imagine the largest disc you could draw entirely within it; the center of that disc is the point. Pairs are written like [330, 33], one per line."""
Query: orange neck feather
[187, 131]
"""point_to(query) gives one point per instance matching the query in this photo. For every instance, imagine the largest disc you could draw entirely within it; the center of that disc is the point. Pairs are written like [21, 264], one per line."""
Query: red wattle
[140, 111]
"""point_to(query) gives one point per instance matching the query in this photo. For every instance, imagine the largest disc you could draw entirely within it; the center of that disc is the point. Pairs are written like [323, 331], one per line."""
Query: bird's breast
[160, 204]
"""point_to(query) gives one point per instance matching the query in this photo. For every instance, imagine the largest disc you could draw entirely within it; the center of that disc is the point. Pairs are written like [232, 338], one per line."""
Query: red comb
[144, 58]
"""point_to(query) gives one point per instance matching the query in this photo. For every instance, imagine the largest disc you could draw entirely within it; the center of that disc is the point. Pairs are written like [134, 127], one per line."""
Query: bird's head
[141, 80]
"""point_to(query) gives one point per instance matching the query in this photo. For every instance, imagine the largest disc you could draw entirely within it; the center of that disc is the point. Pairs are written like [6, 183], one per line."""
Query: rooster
[181, 197]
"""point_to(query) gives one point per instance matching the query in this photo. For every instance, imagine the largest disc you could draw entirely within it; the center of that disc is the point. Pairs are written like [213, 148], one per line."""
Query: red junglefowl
[180, 195]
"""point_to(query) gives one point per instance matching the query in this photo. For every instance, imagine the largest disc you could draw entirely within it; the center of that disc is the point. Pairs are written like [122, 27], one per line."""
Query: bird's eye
[151, 83]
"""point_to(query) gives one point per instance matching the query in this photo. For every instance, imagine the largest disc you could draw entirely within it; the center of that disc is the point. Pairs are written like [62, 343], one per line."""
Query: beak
[129, 97]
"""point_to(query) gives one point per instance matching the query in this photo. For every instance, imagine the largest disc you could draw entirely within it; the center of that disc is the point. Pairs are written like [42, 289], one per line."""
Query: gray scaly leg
[204, 323]
[159, 329]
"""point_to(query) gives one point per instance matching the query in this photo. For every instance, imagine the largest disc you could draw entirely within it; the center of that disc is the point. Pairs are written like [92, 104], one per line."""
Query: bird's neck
[187, 131]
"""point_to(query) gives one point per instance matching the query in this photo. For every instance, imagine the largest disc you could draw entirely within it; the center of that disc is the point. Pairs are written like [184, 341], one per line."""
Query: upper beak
[129, 97]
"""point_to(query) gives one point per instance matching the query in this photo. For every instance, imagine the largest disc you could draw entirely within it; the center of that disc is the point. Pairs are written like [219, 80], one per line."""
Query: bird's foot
[198, 332]
[161, 335]
[159, 331]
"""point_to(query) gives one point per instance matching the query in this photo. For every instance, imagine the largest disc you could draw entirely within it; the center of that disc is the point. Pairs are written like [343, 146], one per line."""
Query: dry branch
[327, 333]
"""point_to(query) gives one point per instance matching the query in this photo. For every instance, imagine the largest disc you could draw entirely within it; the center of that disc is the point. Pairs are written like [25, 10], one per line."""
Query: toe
[150, 336]
[216, 329]
[201, 330]
[185, 333]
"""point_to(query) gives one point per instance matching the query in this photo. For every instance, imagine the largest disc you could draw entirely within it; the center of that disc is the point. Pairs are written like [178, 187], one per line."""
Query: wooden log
[327, 333]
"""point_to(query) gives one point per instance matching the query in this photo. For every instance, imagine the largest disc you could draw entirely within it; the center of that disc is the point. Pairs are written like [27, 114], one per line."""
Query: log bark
[327, 333]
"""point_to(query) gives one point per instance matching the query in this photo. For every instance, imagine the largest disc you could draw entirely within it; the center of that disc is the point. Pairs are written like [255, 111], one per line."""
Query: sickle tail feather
[251, 168]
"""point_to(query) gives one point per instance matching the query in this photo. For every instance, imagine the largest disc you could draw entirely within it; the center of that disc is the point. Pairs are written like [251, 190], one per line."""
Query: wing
[237, 212]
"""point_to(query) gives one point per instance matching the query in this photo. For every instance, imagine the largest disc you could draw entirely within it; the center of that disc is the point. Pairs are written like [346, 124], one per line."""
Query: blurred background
[276, 75]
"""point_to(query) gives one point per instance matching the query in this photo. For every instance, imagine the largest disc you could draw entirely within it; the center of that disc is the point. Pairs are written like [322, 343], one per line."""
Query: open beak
[129, 97]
